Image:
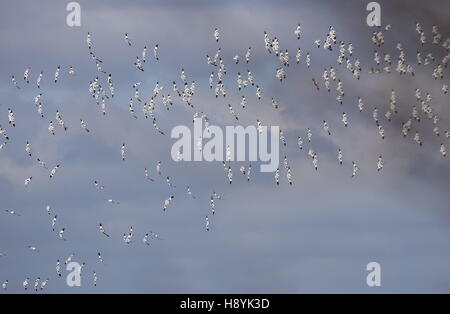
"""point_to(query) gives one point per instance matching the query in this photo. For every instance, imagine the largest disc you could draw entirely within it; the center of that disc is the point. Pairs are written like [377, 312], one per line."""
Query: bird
[12, 212]
[298, 31]
[340, 156]
[28, 181]
[167, 202]
[326, 128]
[207, 223]
[58, 268]
[99, 257]
[33, 249]
[5, 285]
[26, 283]
[102, 230]
[61, 234]
[123, 151]
[54, 170]
[443, 150]
[380, 163]
[98, 185]
[44, 283]
[127, 40]
[54, 220]
[84, 125]
[216, 35]
[36, 283]
[11, 118]
[57, 73]
[354, 169]
[95, 279]
[189, 192]
[345, 119]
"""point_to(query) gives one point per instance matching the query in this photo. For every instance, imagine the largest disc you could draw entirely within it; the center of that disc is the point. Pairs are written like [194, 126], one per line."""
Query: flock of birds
[102, 90]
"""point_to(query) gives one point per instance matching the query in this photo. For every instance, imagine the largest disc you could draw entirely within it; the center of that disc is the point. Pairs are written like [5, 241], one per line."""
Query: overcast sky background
[315, 236]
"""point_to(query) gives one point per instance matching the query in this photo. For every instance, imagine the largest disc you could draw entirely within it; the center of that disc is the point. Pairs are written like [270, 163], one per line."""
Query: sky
[316, 236]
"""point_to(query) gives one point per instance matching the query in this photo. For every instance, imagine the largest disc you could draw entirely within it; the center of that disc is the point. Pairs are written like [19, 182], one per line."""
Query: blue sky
[315, 236]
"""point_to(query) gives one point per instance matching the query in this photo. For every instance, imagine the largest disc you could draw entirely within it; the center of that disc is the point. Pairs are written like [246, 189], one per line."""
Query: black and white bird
[167, 202]
[58, 268]
[54, 170]
[380, 163]
[12, 212]
[26, 284]
[216, 35]
[11, 118]
[127, 40]
[84, 125]
[123, 151]
[102, 230]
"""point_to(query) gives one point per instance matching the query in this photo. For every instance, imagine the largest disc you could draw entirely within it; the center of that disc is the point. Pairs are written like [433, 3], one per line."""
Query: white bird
[155, 52]
[167, 202]
[355, 169]
[58, 268]
[300, 142]
[5, 285]
[443, 150]
[36, 283]
[95, 279]
[33, 249]
[98, 185]
[26, 75]
[99, 257]
[51, 128]
[380, 163]
[61, 234]
[54, 170]
[189, 192]
[340, 156]
[169, 183]
[44, 283]
[298, 31]
[69, 259]
[417, 139]
[84, 125]
[102, 230]
[345, 119]
[60, 120]
[11, 118]
[158, 167]
[147, 176]
[13, 80]
[26, 283]
[111, 201]
[39, 79]
[28, 181]
[123, 151]
[216, 35]
[12, 212]
[127, 40]
[54, 220]
[326, 128]
[57, 73]
[207, 223]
